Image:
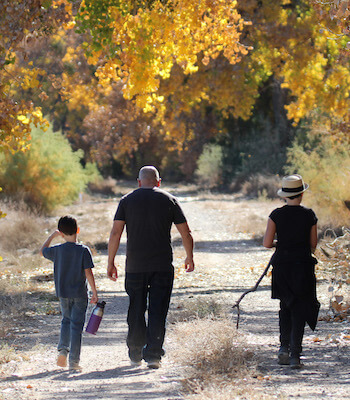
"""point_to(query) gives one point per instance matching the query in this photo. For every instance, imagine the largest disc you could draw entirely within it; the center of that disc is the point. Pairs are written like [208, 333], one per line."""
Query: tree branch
[253, 289]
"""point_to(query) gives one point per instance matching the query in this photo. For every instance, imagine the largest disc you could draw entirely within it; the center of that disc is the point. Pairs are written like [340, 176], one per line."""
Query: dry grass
[194, 309]
[20, 298]
[20, 230]
[256, 224]
[334, 265]
[22, 233]
[13, 301]
[7, 354]
[104, 187]
[329, 217]
[211, 354]
[264, 186]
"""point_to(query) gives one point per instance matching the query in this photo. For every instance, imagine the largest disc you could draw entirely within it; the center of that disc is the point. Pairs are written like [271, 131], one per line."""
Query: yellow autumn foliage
[151, 40]
[322, 158]
[22, 23]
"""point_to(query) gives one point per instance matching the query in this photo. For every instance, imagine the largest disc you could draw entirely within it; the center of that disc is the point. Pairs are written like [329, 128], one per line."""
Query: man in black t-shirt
[148, 214]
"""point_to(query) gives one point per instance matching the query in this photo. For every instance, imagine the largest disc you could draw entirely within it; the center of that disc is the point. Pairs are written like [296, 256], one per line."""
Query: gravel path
[228, 260]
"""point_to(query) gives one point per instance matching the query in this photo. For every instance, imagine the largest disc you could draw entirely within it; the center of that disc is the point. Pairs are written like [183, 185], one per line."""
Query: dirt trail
[228, 261]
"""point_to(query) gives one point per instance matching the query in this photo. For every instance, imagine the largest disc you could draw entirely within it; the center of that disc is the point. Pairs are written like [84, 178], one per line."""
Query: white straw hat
[292, 185]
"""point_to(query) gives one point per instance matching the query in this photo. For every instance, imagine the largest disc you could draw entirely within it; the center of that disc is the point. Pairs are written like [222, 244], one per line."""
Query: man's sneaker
[134, 363]
[75, 367]
[135, 356]
[283, 356]
[295, 363]
[62, 359]
[153, 364]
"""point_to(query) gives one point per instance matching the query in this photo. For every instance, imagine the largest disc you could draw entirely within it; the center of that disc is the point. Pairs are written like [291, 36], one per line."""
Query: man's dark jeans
[292, 324]
[147, 291]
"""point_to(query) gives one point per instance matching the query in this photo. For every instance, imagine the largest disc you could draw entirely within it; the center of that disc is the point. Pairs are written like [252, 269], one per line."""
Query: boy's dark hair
[295, 197]
[68, 225]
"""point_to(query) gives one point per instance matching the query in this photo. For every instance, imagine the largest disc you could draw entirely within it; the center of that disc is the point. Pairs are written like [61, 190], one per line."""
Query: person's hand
[112, 272]
[48, 241]
[94, 298]
[189, 264]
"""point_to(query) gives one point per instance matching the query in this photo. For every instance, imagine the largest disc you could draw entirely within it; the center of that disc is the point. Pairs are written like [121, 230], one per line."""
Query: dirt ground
[229, 259]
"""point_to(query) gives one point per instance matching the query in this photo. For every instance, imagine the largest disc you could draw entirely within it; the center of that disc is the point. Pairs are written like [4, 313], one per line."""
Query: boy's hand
[48, 241]
[56, 233]
[94, 298]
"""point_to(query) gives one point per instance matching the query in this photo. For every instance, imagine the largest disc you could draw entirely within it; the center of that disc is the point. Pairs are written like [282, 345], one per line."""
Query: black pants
[292, 325]
[149, 291]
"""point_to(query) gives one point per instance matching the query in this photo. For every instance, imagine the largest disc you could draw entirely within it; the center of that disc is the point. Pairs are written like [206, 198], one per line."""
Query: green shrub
[209, 166]
[323, 159]
[46, 175]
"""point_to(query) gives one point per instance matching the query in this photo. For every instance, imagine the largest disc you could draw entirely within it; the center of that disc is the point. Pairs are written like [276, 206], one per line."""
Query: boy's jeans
[73, 319]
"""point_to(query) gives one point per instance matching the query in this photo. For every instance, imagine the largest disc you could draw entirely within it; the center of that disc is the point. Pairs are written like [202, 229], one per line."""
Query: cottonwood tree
[143, 43]
[20, 22]
[175, 56]
[179, 62]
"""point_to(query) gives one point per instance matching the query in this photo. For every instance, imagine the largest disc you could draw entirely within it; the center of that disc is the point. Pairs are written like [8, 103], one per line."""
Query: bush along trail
[206, 357]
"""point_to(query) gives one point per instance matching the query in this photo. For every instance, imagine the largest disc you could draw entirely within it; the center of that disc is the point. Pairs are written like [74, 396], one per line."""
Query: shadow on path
[106, 370]
[223, 246]
[326, 357]
[65, 375]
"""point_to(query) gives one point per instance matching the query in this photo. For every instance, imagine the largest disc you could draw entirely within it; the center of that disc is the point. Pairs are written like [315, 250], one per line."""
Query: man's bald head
[149, 176]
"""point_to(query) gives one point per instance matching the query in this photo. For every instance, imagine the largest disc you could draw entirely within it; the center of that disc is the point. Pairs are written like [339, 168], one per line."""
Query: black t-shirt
[293, 274]
[148, 215]
[293, 227]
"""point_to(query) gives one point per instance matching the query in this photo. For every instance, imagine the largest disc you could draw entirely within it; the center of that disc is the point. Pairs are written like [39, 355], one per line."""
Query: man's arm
[187, 242]
[113, 246]
[48, 241]
[90, 278]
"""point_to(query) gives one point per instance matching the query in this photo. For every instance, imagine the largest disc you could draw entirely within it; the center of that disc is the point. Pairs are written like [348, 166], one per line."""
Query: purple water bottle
[95, 318]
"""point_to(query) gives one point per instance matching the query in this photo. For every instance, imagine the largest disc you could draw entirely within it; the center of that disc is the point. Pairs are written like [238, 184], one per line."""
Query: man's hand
[113, 246]
[189, 264]
[112, 272]
[187, 241]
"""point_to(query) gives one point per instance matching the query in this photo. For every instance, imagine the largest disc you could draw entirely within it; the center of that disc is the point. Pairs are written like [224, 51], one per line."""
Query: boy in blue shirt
[72, 267]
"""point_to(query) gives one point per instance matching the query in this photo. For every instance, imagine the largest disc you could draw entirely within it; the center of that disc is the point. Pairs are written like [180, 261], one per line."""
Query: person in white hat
[293, 274]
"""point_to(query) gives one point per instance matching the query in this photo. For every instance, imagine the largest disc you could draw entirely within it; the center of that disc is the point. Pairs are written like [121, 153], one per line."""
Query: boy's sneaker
[283, 356]
[75, 367]
[62, 359]
[153, 364]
